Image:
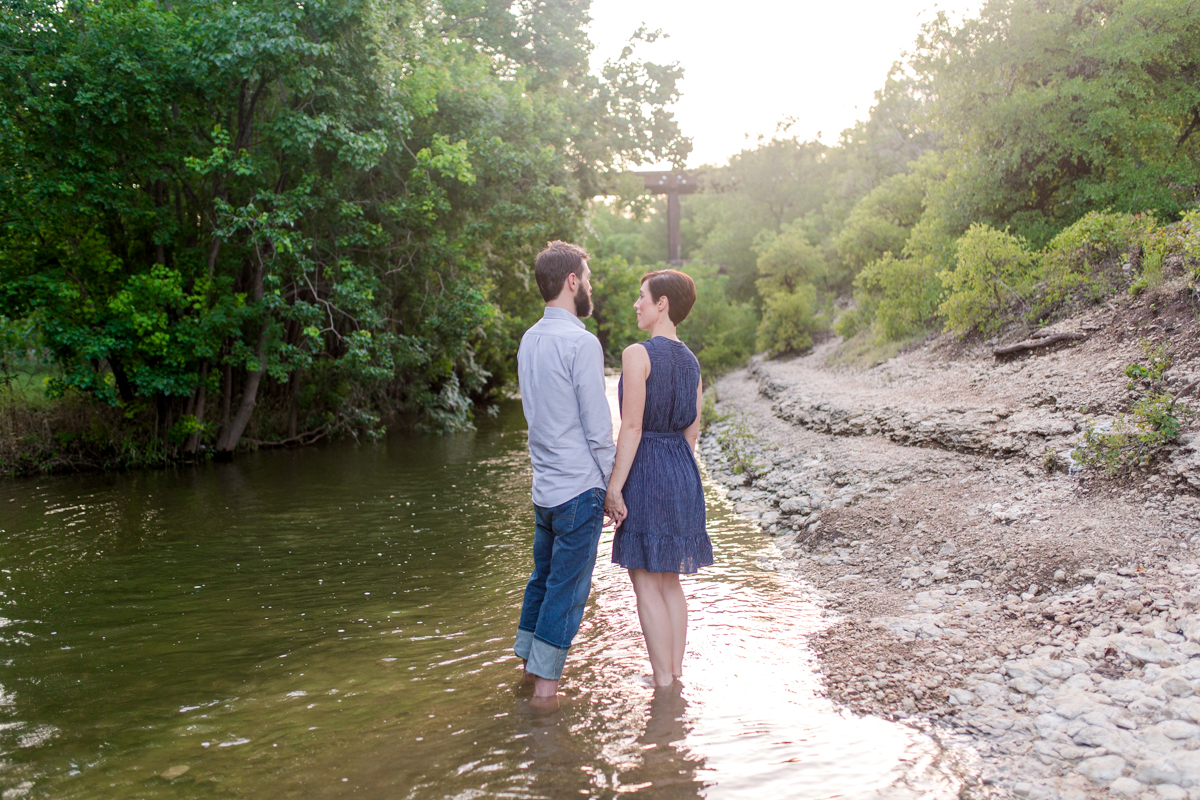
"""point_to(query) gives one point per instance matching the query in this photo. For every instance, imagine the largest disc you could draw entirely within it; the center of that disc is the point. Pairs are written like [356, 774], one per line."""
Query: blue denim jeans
[564, 553]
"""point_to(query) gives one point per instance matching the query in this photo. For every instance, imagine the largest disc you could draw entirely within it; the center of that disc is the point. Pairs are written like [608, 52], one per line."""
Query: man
[561, 371]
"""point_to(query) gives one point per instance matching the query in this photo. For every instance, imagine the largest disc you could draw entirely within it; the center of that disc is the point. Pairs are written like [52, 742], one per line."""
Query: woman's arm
[635, 369]
[693, 431]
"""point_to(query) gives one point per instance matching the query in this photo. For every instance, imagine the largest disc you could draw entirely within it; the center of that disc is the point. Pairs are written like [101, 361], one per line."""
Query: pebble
[175, 772]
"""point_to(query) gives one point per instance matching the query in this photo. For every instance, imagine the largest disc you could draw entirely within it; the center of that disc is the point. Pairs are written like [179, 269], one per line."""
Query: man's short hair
[554, 264]
[679, 288]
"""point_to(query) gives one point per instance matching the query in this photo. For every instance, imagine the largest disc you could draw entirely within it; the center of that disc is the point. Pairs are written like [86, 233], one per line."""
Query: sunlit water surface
[336, 621]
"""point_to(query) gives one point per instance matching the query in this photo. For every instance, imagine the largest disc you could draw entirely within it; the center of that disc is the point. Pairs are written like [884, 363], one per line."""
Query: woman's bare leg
[657, 627]
[676, 604]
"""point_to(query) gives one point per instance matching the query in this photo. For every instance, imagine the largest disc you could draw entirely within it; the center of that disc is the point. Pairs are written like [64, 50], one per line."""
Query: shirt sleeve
[594, 414]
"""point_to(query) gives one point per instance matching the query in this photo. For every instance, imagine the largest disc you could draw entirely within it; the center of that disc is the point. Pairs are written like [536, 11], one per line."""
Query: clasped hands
[614, 506]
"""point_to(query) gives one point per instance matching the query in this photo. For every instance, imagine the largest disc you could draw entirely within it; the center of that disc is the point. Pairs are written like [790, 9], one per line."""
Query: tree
[1054, 109]
[297, 218]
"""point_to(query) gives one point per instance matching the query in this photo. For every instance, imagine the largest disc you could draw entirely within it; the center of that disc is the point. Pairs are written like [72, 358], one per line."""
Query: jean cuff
[546, 660]
[523, 644]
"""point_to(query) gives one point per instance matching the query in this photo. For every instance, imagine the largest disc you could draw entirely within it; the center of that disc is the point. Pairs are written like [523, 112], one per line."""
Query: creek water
[338, 621]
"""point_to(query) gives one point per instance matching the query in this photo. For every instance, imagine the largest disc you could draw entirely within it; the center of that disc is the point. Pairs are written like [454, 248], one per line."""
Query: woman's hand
[614, 506]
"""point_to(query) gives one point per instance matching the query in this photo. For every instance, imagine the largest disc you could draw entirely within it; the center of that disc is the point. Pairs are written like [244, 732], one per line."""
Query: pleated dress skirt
[665, 530]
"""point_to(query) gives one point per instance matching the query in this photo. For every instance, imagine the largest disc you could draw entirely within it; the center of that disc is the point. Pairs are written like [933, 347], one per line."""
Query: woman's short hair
[552, 266]
[679, 288]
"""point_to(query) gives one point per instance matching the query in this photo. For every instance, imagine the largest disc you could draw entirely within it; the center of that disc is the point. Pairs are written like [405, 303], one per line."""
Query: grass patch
[864, 349]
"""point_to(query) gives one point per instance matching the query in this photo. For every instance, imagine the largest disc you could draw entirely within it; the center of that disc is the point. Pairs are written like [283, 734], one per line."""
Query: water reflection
[338, 621]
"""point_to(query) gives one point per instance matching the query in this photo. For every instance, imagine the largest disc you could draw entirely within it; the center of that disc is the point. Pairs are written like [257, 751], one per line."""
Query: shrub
[738, 442]
[1151, 275]
[787, 261]
[789, 321]
[900, 295]
[719, 330]
[993, 270]
[1135, 438]
[882, 221]
[1072, 259]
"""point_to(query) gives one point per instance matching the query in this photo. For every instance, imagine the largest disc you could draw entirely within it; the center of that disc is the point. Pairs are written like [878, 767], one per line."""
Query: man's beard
[583, 303]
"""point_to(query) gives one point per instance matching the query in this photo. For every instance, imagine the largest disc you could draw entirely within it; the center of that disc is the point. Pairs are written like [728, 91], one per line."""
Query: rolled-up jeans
[564, 553]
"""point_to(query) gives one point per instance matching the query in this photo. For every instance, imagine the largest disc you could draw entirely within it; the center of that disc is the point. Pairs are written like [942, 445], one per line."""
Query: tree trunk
[294, 405]
[124, 390]
[193, 441]
[228, 440]
[226, 395]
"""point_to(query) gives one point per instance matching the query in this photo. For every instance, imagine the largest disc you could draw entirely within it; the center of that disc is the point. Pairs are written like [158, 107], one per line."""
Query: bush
[882, 221]
[1135, 438]
[720, 331]
[993, 271]
[899, 295]
[789, 321]
[1072, 260]
[787, 261]
[614, 291]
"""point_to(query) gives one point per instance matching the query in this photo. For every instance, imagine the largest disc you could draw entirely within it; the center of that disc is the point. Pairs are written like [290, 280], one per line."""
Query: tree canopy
[291, 218]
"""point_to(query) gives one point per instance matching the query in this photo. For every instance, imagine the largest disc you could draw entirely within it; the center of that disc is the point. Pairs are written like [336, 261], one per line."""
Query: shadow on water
[337, 621]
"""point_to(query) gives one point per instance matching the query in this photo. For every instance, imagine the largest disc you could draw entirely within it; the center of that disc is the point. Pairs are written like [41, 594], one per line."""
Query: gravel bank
[1048, 622]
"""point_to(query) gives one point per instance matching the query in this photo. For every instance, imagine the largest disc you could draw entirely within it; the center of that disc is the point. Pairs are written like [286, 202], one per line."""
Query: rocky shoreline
[1046, 622]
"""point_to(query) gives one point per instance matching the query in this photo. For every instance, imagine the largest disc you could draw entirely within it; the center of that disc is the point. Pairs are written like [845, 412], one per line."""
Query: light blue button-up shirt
[561, 370]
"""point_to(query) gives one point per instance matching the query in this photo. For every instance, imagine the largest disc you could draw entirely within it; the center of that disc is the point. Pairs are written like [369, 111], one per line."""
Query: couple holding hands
[647, 484]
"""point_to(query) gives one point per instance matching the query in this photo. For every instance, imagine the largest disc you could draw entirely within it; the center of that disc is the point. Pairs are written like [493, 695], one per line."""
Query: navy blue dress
[665, 527]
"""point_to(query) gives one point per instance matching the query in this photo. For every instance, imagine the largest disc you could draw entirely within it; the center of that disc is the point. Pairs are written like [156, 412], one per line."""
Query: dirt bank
[1043, 615]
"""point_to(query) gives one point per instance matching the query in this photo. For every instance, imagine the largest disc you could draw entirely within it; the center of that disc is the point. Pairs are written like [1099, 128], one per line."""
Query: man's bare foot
[543, 704]
[527, 677]
[544, 688]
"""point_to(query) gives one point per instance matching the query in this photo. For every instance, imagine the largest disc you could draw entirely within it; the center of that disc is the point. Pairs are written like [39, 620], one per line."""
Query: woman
[654, 495]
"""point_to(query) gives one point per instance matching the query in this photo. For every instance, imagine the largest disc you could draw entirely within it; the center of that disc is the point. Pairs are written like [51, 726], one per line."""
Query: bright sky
[751, 64]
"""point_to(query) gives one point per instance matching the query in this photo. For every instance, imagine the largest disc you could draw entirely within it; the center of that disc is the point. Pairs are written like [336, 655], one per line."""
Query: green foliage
[738, 442]
[883, 220]
[207, 201]
[719, 329]
[615, 287]
[1134, 439]
[788, 261]
[1189, 241]
[709, 415]
[898, 297]
[1058, 109]
[1151, 274]
[1072, 260]
[994, 270]
[789, 321]
[1158, 361]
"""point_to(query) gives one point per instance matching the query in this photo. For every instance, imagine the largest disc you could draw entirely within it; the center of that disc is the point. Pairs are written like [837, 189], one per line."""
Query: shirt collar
[553, 312]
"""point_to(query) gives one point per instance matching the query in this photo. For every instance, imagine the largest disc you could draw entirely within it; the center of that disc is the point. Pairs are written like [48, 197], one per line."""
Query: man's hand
[614, 507]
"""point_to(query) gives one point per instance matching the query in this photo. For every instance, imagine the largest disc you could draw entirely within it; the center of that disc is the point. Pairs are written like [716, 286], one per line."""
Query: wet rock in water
[175, 772]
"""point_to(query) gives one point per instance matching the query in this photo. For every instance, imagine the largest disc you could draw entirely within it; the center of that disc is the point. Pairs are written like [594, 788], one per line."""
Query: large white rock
[1178, 729]
[1126, 787]
[1102, 769]
[1073, 704]
[1181, 767]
